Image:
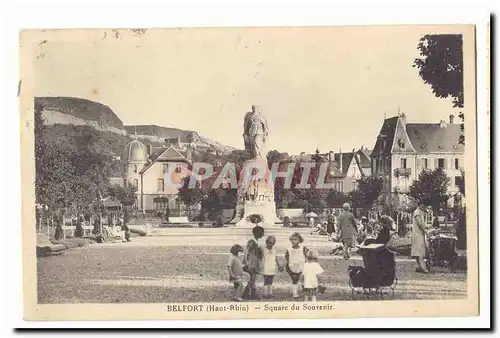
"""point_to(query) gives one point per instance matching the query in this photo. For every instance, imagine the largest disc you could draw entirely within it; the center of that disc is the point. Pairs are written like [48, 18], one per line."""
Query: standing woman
[330, 225]
[347, 229]
[418, 233]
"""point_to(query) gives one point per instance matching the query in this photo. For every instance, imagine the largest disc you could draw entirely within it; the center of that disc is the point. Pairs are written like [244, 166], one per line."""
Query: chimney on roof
[340, 159]
[452, 118]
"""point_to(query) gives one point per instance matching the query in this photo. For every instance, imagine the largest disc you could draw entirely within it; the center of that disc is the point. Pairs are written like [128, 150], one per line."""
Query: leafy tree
[70, 168]
[335, 199]
[431, 188]
[283, 197]
[275, 156]
[367, 192]
[191, 196]
[441, 66]
[125, 194]
[211, 200]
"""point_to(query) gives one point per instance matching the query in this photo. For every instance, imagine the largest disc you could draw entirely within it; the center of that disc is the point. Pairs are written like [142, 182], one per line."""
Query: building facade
[403, 150]
[155, 178]
[346, 168]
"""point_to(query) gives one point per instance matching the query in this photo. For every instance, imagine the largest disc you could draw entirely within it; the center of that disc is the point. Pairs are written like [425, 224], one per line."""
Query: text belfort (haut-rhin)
[208, 308]
[245, 308]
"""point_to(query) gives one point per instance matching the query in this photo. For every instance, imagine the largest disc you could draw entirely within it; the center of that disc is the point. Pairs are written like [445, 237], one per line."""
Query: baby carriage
[441, 250]
[378, 274]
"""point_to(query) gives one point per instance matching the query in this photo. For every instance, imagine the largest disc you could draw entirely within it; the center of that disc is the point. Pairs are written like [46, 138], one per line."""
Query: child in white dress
[311, 276]
[270, 265]
[236, 275]
[295, 259]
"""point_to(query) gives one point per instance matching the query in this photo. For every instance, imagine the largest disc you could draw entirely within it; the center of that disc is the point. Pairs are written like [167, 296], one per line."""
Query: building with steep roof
[403, 150]
[155, 176]
[346, 168]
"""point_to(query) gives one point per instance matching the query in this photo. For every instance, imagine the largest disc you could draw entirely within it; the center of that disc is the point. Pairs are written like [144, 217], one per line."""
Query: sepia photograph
[253, 172]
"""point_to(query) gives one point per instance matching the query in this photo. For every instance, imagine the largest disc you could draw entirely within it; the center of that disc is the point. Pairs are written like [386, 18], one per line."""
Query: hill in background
[60, 111]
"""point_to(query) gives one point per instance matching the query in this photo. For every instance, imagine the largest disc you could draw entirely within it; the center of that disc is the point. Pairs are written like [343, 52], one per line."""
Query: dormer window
[401, 144]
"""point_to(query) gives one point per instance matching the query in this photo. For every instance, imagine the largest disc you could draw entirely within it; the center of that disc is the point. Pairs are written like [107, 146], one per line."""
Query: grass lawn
[142, 274]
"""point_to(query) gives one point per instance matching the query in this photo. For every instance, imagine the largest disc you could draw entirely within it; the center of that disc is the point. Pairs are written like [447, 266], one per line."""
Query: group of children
[300, 263]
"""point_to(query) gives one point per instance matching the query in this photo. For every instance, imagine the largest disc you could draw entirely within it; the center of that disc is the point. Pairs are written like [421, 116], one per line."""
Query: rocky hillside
[76, 111]
[71, 111]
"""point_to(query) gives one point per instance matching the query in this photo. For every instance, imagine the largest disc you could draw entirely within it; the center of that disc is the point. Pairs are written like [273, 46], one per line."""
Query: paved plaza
[189, 265]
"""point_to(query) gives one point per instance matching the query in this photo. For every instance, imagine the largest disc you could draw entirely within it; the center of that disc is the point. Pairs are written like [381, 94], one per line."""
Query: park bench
[177, 220]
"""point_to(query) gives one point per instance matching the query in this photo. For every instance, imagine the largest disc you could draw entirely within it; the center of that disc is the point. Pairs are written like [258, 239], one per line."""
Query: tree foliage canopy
[431, 188]
[440, 65]
[70, 169]
[124, 194]
[367, 192]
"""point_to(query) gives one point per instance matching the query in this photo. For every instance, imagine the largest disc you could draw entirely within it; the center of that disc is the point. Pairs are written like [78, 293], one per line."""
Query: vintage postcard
[243, 173]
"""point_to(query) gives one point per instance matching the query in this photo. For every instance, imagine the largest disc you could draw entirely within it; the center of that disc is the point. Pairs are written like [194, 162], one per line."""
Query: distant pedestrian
[418, 234]
[236, 274]
[270, 265]
[253, 262]
[330, 226]
[59, 233]
[125, 229]
[167, 214]
[347, 229]
[311, 278]
[295, 259]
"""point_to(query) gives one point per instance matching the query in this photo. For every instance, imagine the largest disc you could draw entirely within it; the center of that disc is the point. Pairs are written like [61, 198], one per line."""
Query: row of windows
[381, 164]
[424, 163]
[178, 168]
[161, 184]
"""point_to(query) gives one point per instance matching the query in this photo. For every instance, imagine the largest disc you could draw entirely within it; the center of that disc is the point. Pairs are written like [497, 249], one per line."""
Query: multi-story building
[403, 150]
[148, 174]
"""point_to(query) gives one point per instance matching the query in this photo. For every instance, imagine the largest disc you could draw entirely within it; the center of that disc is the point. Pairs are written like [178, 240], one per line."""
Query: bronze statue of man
[255, 133]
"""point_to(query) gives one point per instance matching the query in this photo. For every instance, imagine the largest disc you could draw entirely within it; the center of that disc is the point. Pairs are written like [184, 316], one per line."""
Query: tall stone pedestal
[256, 196]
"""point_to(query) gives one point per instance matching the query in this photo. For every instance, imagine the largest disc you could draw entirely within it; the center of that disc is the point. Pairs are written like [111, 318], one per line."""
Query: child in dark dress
[253, 262]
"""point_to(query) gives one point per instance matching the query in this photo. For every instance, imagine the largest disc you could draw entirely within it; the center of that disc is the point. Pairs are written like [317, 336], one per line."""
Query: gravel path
[152, 270]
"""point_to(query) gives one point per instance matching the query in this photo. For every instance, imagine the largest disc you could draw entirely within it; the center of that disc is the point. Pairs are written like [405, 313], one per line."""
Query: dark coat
[347, 225]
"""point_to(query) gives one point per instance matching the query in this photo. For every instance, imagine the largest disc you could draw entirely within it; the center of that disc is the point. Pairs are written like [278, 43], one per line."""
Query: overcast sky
[325, 88]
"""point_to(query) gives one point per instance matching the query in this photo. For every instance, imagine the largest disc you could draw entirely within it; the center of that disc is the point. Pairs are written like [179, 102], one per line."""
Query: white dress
[296, 259]
[418, 247]
[269, 262]
[311, 272]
